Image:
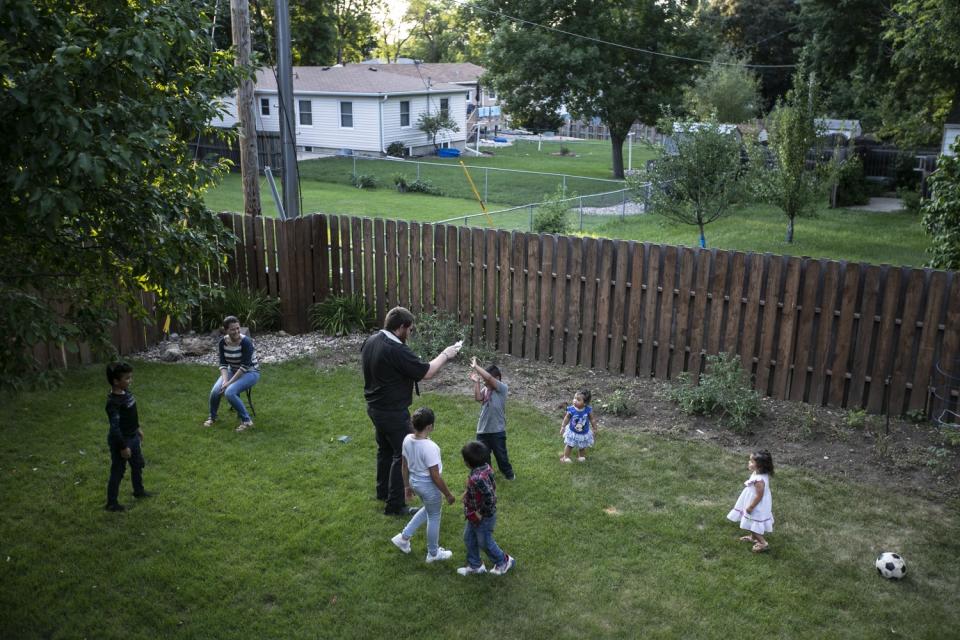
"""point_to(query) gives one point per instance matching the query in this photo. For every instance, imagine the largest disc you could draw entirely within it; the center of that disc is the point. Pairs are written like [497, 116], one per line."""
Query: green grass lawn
[275, 533]
[840, 234]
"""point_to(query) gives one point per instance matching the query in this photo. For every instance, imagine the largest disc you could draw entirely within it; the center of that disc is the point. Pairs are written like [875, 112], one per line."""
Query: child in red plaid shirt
[480, 509]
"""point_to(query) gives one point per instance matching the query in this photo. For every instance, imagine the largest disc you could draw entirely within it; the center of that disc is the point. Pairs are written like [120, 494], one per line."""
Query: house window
[469, 93]
[264, 106]
[346, 115]
[491, 94]
[306, 113]
[404, 113]
[445, 107]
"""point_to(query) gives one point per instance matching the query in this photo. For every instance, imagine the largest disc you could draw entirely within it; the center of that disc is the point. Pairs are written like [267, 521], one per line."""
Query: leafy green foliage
[253, 309]
[781, 175]
[911, 199]
[365, 181]
[618, 403]
[341, 315]
[421, 185]
[699, 183]
[435, 124]
[529, 65]
[851, 184]
[726, 92]
[551, 216]
[102, 198]
[436, 331]
[723, 391]
[396, 149]
[941, 213]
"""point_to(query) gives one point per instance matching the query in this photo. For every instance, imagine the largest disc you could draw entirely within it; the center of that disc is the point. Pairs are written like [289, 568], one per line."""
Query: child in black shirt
[125, 435]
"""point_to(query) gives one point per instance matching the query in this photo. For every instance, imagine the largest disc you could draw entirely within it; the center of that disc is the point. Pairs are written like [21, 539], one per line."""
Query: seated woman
[238, 372]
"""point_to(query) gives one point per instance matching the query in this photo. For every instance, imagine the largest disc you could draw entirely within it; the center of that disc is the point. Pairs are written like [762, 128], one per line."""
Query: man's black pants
[391, 428]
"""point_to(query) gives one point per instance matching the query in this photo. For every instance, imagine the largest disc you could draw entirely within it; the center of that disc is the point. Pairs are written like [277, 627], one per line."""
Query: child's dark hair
[475, 454]
[494, 370]
[229, 320]
[422, 418]
[764, 461]
[115, 370]
[586, 396]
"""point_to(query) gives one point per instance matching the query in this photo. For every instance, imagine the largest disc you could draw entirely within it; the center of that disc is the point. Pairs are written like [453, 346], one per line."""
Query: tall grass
[276, 533]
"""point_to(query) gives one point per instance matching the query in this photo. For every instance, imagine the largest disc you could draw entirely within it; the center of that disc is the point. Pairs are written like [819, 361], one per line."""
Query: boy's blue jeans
[480, 536]
[429, 512]
[233, 392]
[118, 465]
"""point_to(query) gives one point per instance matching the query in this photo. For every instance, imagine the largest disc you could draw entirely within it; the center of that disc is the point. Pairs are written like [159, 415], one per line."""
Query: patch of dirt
[910, 457]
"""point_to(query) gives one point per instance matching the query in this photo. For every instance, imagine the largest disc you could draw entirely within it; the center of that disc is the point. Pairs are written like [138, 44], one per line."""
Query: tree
[926, 61]
[393, 34]
[591, 76]
[355, 28]
[785, 177]
[434, 125]
[759, 31]
[103, 198]
[443, 32]
[698, 184]
[941, 213]
[728, 91]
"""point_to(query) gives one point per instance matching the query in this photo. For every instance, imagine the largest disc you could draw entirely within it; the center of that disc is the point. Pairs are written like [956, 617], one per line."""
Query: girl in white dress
[754, 508]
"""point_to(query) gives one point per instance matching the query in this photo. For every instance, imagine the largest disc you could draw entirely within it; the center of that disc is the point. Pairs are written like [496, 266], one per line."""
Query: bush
[618, 404]
[851, 184]
[941, 213]
[436, 331]
[424, 186]
[400, 181]
[723, 391]
[341, 315]
[911, 199]
[551, 217]
[364, 181]
[565, 150]
[254, 309]
[397, 150]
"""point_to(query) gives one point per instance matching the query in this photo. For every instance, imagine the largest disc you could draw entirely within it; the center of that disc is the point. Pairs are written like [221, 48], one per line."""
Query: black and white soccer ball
[891, 566]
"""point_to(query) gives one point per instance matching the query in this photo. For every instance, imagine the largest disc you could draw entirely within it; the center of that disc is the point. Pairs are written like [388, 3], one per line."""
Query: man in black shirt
[390, 372]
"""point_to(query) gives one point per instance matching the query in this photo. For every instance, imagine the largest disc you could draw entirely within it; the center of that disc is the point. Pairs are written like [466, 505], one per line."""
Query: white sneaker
[503, 567]
[469, 571]
[442, 554]
[403, 545]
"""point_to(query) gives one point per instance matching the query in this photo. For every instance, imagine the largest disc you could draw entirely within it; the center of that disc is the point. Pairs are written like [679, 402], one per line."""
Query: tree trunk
[703, 237]
[249, 162]
[616, 142]
[790, 230]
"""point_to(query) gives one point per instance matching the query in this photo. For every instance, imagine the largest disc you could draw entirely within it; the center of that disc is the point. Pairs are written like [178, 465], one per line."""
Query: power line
[619, 45]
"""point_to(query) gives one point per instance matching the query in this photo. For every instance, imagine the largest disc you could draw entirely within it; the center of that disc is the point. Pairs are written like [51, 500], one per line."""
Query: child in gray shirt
[491, 392]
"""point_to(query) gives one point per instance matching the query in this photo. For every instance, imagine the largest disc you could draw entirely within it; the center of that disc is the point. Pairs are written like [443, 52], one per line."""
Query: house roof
[439, 71]
[352, 79]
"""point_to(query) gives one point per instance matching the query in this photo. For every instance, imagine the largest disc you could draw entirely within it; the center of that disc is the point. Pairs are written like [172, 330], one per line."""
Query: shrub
[397, 149]
[551, 216]
[254, 309]
[424, 186]
[723, 391]
[364, 181]
[618, 404]
[341, 315]
[851, 184]
[400, 181]
[565, 150]
[436, 331]
[941, 213]
[911, 199]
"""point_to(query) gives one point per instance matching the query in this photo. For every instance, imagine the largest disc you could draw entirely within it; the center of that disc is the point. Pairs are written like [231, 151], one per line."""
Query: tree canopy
[727, 91]
[103, 198]
[531, 65]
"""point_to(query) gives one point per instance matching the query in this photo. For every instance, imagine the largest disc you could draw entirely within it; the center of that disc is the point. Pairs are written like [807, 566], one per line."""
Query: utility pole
[249, 165]
[288, 127]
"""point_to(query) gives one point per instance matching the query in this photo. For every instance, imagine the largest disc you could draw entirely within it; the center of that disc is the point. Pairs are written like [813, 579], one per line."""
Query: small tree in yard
[434, 125]
[697, 185]
[783, 176]
[941, 213]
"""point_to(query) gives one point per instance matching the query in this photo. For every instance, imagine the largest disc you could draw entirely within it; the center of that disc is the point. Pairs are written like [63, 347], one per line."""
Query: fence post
[354, 168]
[581, 213]
[564, 185]
[623, 205]
[531, 216]
[418, 170]
[486, 180]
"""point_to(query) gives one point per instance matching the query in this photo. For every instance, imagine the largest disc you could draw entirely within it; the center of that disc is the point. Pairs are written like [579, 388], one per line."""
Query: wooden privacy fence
[818, 331]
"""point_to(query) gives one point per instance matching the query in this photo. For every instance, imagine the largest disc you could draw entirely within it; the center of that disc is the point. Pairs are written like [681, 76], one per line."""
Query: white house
[847, 128]
[951, 129]
[359, 108]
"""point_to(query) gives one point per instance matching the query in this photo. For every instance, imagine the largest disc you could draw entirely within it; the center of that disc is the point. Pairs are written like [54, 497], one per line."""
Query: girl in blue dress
[577, 428]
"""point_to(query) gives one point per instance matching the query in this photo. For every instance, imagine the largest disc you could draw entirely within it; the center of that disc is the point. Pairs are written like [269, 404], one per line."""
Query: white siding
[229, 118]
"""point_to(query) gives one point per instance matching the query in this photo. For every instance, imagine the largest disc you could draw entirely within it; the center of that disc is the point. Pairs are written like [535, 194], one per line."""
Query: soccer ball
[891, 566]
